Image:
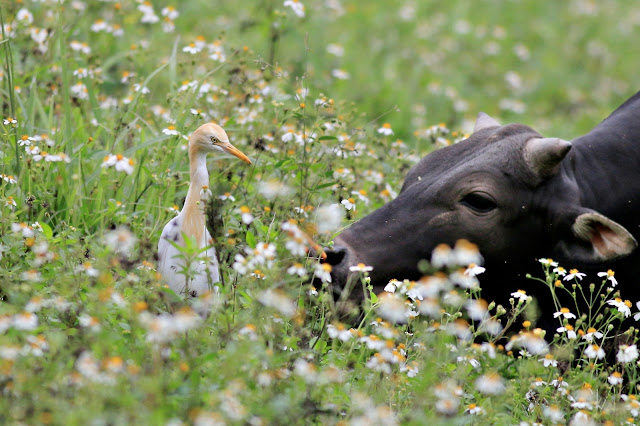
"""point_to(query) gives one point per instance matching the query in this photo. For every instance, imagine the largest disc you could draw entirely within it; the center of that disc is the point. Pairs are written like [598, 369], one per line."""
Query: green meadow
[333, 101]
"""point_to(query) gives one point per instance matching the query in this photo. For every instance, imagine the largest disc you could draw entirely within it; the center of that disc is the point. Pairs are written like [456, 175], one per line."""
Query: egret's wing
[212, 258]
[168, 264]
[171, 265]
[207, 272]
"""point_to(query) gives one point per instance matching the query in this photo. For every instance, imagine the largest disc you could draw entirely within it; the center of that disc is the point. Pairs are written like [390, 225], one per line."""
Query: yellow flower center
[140, 306]
[114, 361]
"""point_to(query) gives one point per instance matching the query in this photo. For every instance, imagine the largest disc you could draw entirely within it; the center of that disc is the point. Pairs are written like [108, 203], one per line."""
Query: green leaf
[251, 239]
[321, 346]
[211, 356]
[46, 230]
[282, 162]
[245, 296]
[327, 138]
[324, 185]
[374, 297]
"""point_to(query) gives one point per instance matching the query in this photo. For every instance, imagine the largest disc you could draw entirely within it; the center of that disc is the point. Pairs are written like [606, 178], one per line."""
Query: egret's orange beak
[227, 147]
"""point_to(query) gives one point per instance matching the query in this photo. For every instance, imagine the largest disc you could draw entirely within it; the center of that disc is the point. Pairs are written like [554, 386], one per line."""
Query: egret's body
[191, 221]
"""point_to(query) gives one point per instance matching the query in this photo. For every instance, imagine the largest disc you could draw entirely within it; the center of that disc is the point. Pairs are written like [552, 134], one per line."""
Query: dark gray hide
[519, 197]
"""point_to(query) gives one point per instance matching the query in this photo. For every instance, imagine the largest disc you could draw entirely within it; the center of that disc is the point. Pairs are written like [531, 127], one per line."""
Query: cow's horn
[483, 122]
[543, 155]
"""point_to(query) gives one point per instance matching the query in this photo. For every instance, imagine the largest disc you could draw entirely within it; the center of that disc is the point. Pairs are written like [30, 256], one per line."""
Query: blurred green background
[560, 67]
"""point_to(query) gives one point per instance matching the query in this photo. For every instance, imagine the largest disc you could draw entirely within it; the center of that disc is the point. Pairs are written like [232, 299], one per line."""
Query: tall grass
[89, 332]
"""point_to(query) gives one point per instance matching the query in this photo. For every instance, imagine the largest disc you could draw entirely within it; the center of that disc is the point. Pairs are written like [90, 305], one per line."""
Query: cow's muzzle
[340, 258]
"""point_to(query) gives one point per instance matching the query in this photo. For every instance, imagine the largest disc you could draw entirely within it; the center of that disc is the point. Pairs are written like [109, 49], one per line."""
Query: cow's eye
[479, 202]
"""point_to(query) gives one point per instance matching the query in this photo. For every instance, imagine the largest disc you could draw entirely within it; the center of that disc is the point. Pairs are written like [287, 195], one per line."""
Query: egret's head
[211, 137]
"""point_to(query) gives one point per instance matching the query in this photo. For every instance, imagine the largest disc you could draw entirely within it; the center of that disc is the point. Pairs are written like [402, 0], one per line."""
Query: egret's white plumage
[191, 220]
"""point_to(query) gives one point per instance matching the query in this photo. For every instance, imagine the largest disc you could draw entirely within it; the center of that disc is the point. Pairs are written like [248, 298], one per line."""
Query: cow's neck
[605, 164]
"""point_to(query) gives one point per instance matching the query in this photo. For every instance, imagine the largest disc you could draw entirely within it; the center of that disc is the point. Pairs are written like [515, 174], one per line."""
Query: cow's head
[505, 188]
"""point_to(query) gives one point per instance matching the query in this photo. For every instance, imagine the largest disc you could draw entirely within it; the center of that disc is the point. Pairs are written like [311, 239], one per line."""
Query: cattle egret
[190, 222]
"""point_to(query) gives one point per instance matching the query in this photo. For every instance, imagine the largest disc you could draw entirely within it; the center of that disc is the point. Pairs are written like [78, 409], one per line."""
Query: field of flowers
[333, 101]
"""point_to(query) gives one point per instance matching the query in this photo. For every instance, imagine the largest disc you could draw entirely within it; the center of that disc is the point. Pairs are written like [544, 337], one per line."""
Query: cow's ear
[597, 239]
[484, 122]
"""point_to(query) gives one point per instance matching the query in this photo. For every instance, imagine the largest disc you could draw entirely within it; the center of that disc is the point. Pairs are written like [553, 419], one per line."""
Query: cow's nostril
[335, 255]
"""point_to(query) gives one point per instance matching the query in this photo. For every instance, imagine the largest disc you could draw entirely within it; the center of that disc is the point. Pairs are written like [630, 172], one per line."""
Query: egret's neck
[194, 218]
[199, 177]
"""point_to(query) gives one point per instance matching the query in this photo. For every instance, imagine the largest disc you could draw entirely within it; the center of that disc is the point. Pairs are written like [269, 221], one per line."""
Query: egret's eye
[214, 139]
[481, 203]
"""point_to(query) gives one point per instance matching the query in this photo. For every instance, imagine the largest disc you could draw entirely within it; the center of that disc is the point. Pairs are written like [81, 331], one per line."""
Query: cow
[519, 197]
